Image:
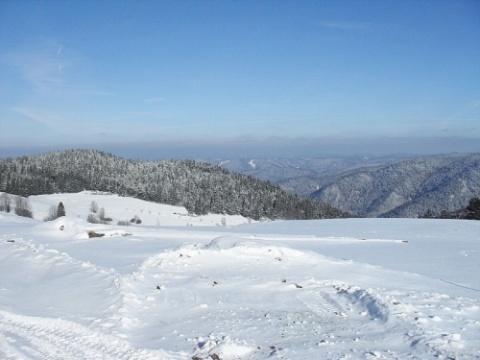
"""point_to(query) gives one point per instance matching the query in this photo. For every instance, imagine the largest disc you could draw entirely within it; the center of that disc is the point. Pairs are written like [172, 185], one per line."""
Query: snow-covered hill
[374, 186]
[200, 187]
[407, 188]
[169, 288]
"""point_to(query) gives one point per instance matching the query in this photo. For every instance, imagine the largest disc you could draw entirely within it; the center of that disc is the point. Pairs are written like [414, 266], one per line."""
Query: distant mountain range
[200, 187]
[307, 188]
[375, 187]
[303, 175]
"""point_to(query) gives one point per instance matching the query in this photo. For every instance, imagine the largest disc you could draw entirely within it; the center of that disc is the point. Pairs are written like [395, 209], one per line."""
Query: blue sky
[87, 73]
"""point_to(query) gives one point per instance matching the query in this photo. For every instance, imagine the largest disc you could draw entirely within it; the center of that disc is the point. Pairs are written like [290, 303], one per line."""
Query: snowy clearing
[177, 286]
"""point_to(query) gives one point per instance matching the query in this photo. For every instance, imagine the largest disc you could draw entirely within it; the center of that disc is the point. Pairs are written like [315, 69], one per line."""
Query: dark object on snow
[93, 234]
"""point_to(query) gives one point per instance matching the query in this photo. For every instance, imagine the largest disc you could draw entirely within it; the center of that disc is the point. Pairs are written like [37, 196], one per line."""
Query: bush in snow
[92, 219]
[22, 207]
[102, 217]
[4, 203]
[55, 212]
[135, 220]
[101, 214]
[52, 213]
[95, 220]
[93, 207]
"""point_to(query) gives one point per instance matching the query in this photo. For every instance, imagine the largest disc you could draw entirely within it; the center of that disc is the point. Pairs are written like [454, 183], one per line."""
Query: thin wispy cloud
[58, 125]
[50, 120]
[44, 70]
[41, 71]
[51, 70]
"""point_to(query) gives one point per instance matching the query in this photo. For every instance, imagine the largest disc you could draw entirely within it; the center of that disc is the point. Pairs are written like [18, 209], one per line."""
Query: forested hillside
[301, 175]
[200, 187]
[408, 188]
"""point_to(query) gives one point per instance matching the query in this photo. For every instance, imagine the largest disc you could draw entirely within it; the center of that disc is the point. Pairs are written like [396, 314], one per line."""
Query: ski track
[24, 337]
[196, 287]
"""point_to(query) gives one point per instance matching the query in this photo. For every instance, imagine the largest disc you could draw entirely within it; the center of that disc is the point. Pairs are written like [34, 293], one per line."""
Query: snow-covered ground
[219, 287]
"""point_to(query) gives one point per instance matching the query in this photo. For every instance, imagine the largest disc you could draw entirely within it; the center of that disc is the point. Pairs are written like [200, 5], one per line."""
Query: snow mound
[61, 227]
[224, 242]
[259, 247]
[220, 347]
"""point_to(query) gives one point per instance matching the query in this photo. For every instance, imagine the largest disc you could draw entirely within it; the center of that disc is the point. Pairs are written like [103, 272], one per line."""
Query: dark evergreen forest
[201, 187]
[471, 212]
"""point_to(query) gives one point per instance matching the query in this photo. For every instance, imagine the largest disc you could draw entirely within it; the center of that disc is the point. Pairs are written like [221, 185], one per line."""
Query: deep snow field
[221, 287]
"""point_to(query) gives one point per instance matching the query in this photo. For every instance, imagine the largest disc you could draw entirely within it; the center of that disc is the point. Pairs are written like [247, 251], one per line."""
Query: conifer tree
[473, 209]
[60, 210]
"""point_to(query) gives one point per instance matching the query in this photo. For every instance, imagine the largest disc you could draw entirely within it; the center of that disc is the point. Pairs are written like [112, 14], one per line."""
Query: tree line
[200, 187]
[470, 212]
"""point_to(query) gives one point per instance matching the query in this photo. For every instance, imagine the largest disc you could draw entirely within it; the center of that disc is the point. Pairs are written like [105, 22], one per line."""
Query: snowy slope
[171, 289]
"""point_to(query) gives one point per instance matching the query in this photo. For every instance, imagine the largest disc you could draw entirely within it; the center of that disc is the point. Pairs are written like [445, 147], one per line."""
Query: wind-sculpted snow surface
[228, 293]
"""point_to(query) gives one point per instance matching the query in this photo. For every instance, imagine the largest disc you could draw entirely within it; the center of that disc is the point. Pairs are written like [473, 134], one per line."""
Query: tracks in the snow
[319, 302]
[25, 337]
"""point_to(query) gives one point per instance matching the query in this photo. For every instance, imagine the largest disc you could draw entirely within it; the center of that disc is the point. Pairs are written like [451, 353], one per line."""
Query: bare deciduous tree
[4, 203]
[22, 207]
[101, 214]
[55, 212]
[93, 207]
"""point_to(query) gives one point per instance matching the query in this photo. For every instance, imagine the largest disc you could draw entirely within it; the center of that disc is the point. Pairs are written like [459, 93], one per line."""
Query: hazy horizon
[268, 148]
[203, 77]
